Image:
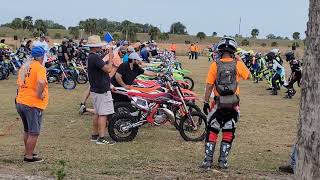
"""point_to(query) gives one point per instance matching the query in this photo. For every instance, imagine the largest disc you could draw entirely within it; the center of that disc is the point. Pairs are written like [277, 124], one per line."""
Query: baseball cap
[135, 56]
[131, 49]
[125, 43]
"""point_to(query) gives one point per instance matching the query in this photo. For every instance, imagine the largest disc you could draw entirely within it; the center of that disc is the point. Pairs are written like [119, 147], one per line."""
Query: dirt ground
[265, 133]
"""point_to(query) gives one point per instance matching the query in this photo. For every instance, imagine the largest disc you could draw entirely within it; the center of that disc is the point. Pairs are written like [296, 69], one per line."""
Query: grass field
[263, 141]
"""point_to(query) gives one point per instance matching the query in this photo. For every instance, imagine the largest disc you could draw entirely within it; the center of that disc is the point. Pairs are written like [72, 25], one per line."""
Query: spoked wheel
[189, 132]
[124, 107]
[119, 130]
[82, 78]
[189, 81]
[69, 83]
[178, 116]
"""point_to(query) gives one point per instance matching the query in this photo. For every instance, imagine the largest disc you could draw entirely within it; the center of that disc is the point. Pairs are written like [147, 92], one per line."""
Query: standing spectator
[31, 100]
[28, 47]
[2, 44]
[173, 48]
[3, 48]
[42, 43]
[115, 58]
[71, 49]
[63, 52]
[98, 72]
[197, 50]
[193, 51]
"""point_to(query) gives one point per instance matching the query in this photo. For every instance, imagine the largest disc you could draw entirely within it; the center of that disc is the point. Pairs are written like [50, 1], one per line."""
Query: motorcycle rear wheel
[190, 82]
[82, 78]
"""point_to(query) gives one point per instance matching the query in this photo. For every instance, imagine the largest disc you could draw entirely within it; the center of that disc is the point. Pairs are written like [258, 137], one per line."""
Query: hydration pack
[226, 82]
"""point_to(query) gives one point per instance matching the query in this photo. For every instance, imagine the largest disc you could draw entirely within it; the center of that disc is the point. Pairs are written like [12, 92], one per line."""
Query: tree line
[120, 30]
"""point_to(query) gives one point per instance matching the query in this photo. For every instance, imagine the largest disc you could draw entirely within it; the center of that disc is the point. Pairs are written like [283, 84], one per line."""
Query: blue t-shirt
[144, 54]
[125, 58]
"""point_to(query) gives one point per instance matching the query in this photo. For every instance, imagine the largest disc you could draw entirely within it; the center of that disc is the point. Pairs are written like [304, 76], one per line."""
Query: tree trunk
[308, 165]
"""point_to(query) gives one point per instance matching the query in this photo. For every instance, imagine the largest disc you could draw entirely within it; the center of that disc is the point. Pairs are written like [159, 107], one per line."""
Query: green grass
[266, 129]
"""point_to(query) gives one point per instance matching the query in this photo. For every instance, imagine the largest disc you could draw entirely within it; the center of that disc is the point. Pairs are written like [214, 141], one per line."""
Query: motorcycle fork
[64, 75]
[185, 108]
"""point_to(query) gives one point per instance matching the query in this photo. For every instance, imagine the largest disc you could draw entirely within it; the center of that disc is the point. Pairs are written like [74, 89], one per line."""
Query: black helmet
[258, 55]
[290, 56]
[227, 44]
[270, 56]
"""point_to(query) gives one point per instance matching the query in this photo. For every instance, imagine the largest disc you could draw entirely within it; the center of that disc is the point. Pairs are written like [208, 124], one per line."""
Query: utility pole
[239, 27]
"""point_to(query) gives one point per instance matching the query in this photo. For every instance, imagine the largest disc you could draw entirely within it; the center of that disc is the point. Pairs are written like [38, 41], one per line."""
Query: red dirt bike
[157, 109]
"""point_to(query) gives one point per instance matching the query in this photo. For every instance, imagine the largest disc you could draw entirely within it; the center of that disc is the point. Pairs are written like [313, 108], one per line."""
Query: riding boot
[224, 152]
[209, 151]
[290, 93]
[274, 91]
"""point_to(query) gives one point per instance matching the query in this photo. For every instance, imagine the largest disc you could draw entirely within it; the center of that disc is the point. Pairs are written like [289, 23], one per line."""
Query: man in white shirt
[42, 43]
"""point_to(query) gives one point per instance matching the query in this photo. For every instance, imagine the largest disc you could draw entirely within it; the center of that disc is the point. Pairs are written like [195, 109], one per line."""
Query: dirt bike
[56, 72]
[157, 109]
[80, 72]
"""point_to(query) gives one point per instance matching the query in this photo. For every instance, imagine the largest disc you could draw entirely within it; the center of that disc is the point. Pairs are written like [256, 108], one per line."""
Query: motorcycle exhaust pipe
[169, 113]
[134, 125]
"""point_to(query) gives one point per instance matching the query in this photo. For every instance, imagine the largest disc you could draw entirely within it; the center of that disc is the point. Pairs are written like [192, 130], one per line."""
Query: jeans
[293, 158]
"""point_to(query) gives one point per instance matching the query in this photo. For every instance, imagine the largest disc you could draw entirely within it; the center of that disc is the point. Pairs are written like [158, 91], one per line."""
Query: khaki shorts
[102, 103]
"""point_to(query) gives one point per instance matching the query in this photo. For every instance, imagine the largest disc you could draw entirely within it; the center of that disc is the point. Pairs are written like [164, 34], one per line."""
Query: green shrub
[263, 44]
[296, 44]
[245, 42]
[57, 36]
[274, 44]
[35, 33]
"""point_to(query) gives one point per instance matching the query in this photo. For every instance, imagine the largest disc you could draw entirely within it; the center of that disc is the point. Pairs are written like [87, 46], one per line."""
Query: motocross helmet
[227, 44]
[270, 56]
[289, 56]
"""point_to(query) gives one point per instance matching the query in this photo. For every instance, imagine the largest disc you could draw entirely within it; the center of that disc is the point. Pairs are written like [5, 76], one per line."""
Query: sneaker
[110, 141]
[286, 169]
[34, 159]
[33, 155]
[82, 109]
[101, 141]
[94, 138]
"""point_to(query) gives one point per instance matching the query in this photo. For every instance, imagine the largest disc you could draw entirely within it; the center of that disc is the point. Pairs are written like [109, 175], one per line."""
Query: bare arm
[209, 88]
[40, 88]
[150, 73]
[107, 68]
[66, 57]
[120, 81]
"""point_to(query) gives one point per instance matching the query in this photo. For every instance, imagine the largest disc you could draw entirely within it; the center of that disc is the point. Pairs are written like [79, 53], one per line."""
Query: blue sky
[280, 17]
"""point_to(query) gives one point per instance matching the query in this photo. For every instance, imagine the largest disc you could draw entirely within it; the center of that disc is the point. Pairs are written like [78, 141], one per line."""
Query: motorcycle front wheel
[193, 133]
[177, 114]
[116, 128]
[69, 83]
